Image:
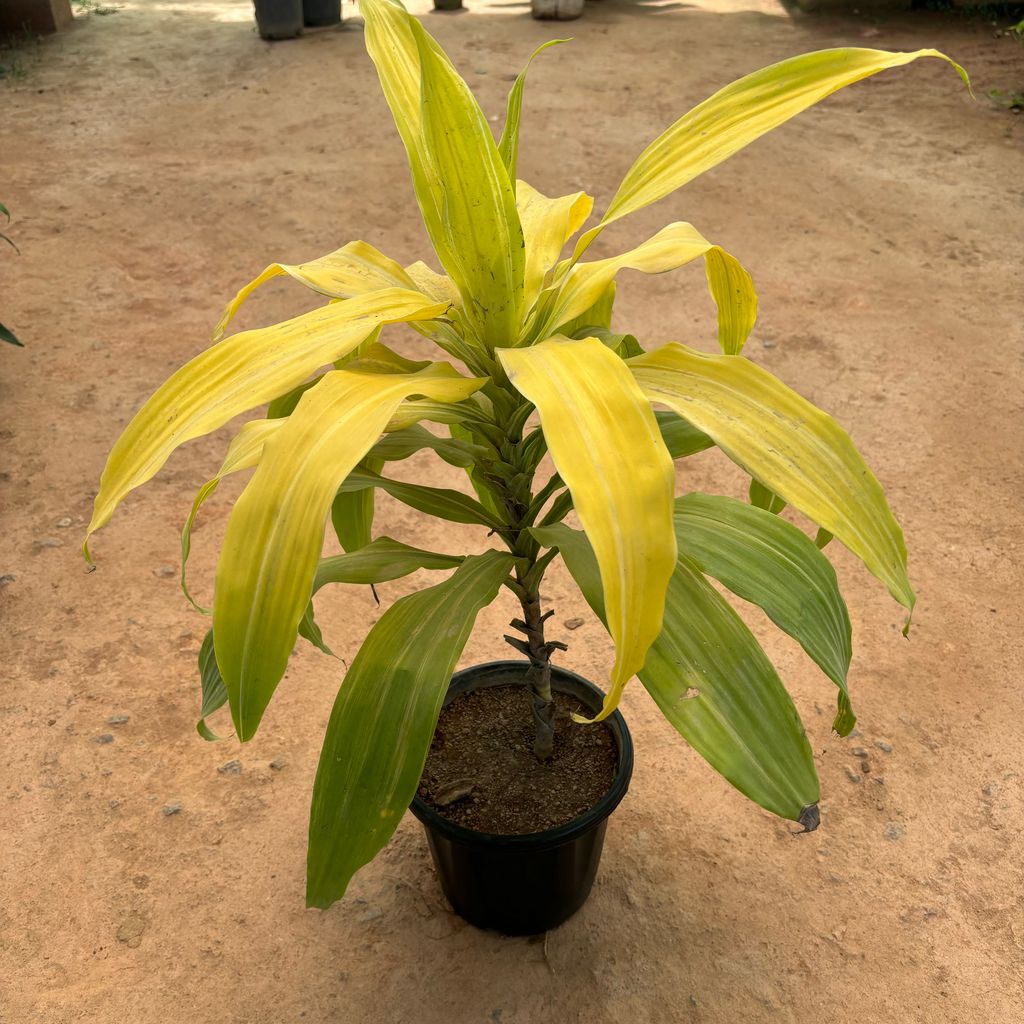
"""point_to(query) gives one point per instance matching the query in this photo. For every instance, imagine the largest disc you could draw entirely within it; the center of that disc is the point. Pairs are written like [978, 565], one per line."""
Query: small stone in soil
[104, 738]
[452, 791]
[886, 748]
[278, 763]
[573, 623]
[852, 775]
[63, 523]
[117, 720]
[49, 542]
[230, 768]
[170, 809]
[7, 578]
[165, 570]
[894, 831]
[859, 752]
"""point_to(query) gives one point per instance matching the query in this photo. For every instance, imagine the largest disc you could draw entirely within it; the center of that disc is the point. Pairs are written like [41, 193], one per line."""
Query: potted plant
[536, 369]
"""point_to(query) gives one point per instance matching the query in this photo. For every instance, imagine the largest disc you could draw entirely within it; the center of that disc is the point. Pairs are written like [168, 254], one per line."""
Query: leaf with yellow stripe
[793, 448]
[353, 269]
[237, 374]
[733, 291]
[275, 534]
[672, 247]
[737, 115]
[607, 448]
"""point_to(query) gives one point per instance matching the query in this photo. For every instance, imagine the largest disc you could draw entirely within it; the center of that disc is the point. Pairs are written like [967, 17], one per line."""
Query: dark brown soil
[481, 771]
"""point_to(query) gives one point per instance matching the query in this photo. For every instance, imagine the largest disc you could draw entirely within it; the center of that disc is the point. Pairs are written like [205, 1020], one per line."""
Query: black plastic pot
[278, 19]
[320, 13]
[447, 5]
[524, 884]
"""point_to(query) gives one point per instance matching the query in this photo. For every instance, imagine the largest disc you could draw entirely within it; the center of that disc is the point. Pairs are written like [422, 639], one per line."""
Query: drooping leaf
[735, 299]
[793, 448]
[275, 533]
[737, 115]
[352, 512]
[547, 225]
[714, 684]
[237, 374]
[401, 444]
[672, 247]
[243, 453]
[442, 502]
[508, 145]
[769, 562]
[379, 561]
[606, 446]
[215, 695]
[354, 269]
[383, 721]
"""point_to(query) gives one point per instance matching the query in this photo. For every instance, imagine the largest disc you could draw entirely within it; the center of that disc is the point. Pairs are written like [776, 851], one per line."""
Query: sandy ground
[156, 158]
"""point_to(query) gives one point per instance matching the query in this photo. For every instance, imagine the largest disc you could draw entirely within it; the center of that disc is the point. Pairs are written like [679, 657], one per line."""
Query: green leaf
[761, 497]
[383, 721]
[793, 448]
[508, 146]
[401, 444]
[767, 561]
[215, 694]
[7, 335]
[442, 502]
[716, 687]
[681, 438]
[352, 512]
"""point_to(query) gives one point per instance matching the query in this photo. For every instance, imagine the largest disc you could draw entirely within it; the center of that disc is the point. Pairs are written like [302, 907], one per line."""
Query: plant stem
[539, 675]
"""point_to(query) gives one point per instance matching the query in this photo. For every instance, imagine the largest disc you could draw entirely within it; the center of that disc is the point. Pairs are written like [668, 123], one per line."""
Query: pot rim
[561, 834]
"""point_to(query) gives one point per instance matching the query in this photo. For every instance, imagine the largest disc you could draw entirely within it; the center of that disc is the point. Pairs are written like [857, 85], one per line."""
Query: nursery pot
[525, 884]
[320, 13]
[447, 5]
[278, 19]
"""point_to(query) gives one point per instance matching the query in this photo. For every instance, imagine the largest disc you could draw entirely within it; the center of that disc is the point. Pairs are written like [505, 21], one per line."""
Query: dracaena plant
[538, 371]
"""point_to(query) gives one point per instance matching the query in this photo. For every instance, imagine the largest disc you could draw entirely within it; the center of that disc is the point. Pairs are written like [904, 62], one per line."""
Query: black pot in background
[525, 884]
[320, 13]
[278, 19]
[447, 5]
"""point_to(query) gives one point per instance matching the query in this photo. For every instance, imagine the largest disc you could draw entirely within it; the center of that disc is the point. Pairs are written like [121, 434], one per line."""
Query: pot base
[524, 884]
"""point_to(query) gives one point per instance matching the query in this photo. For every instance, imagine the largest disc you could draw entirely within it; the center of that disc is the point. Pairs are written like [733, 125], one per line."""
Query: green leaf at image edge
[383, 721]
[215, 694]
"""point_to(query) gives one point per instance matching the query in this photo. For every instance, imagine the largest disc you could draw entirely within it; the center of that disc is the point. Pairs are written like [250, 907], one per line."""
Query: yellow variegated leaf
[237, 374]
[734, 295]
[354, 269]
[275, 533]
[737, 115]
[605, 443]
[673, 246]
[243, 453]
[480, 223]
[547, 225]
[431, 283]
[791, 446]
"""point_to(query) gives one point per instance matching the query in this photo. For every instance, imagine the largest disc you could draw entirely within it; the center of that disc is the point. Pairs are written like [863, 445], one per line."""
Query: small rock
[117, 720]
[886, 748]
[114, 804]
[852, 775]
[573, 623]
[859, 752]
[63, 523]
[371, 915]
[233, 767]
[278, 763]
[170, 809]
[854, 734]
[132, 929]
[166, 571]
[865, 767]
[48, 542]
[480, 71]
[879, 780]
[452, 791]
[988, 789]
[104, 738]
[768, 344]
[894, 831]
[7, 578]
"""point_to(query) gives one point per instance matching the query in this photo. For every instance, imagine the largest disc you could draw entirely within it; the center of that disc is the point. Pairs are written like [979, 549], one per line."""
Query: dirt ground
[156, 158]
